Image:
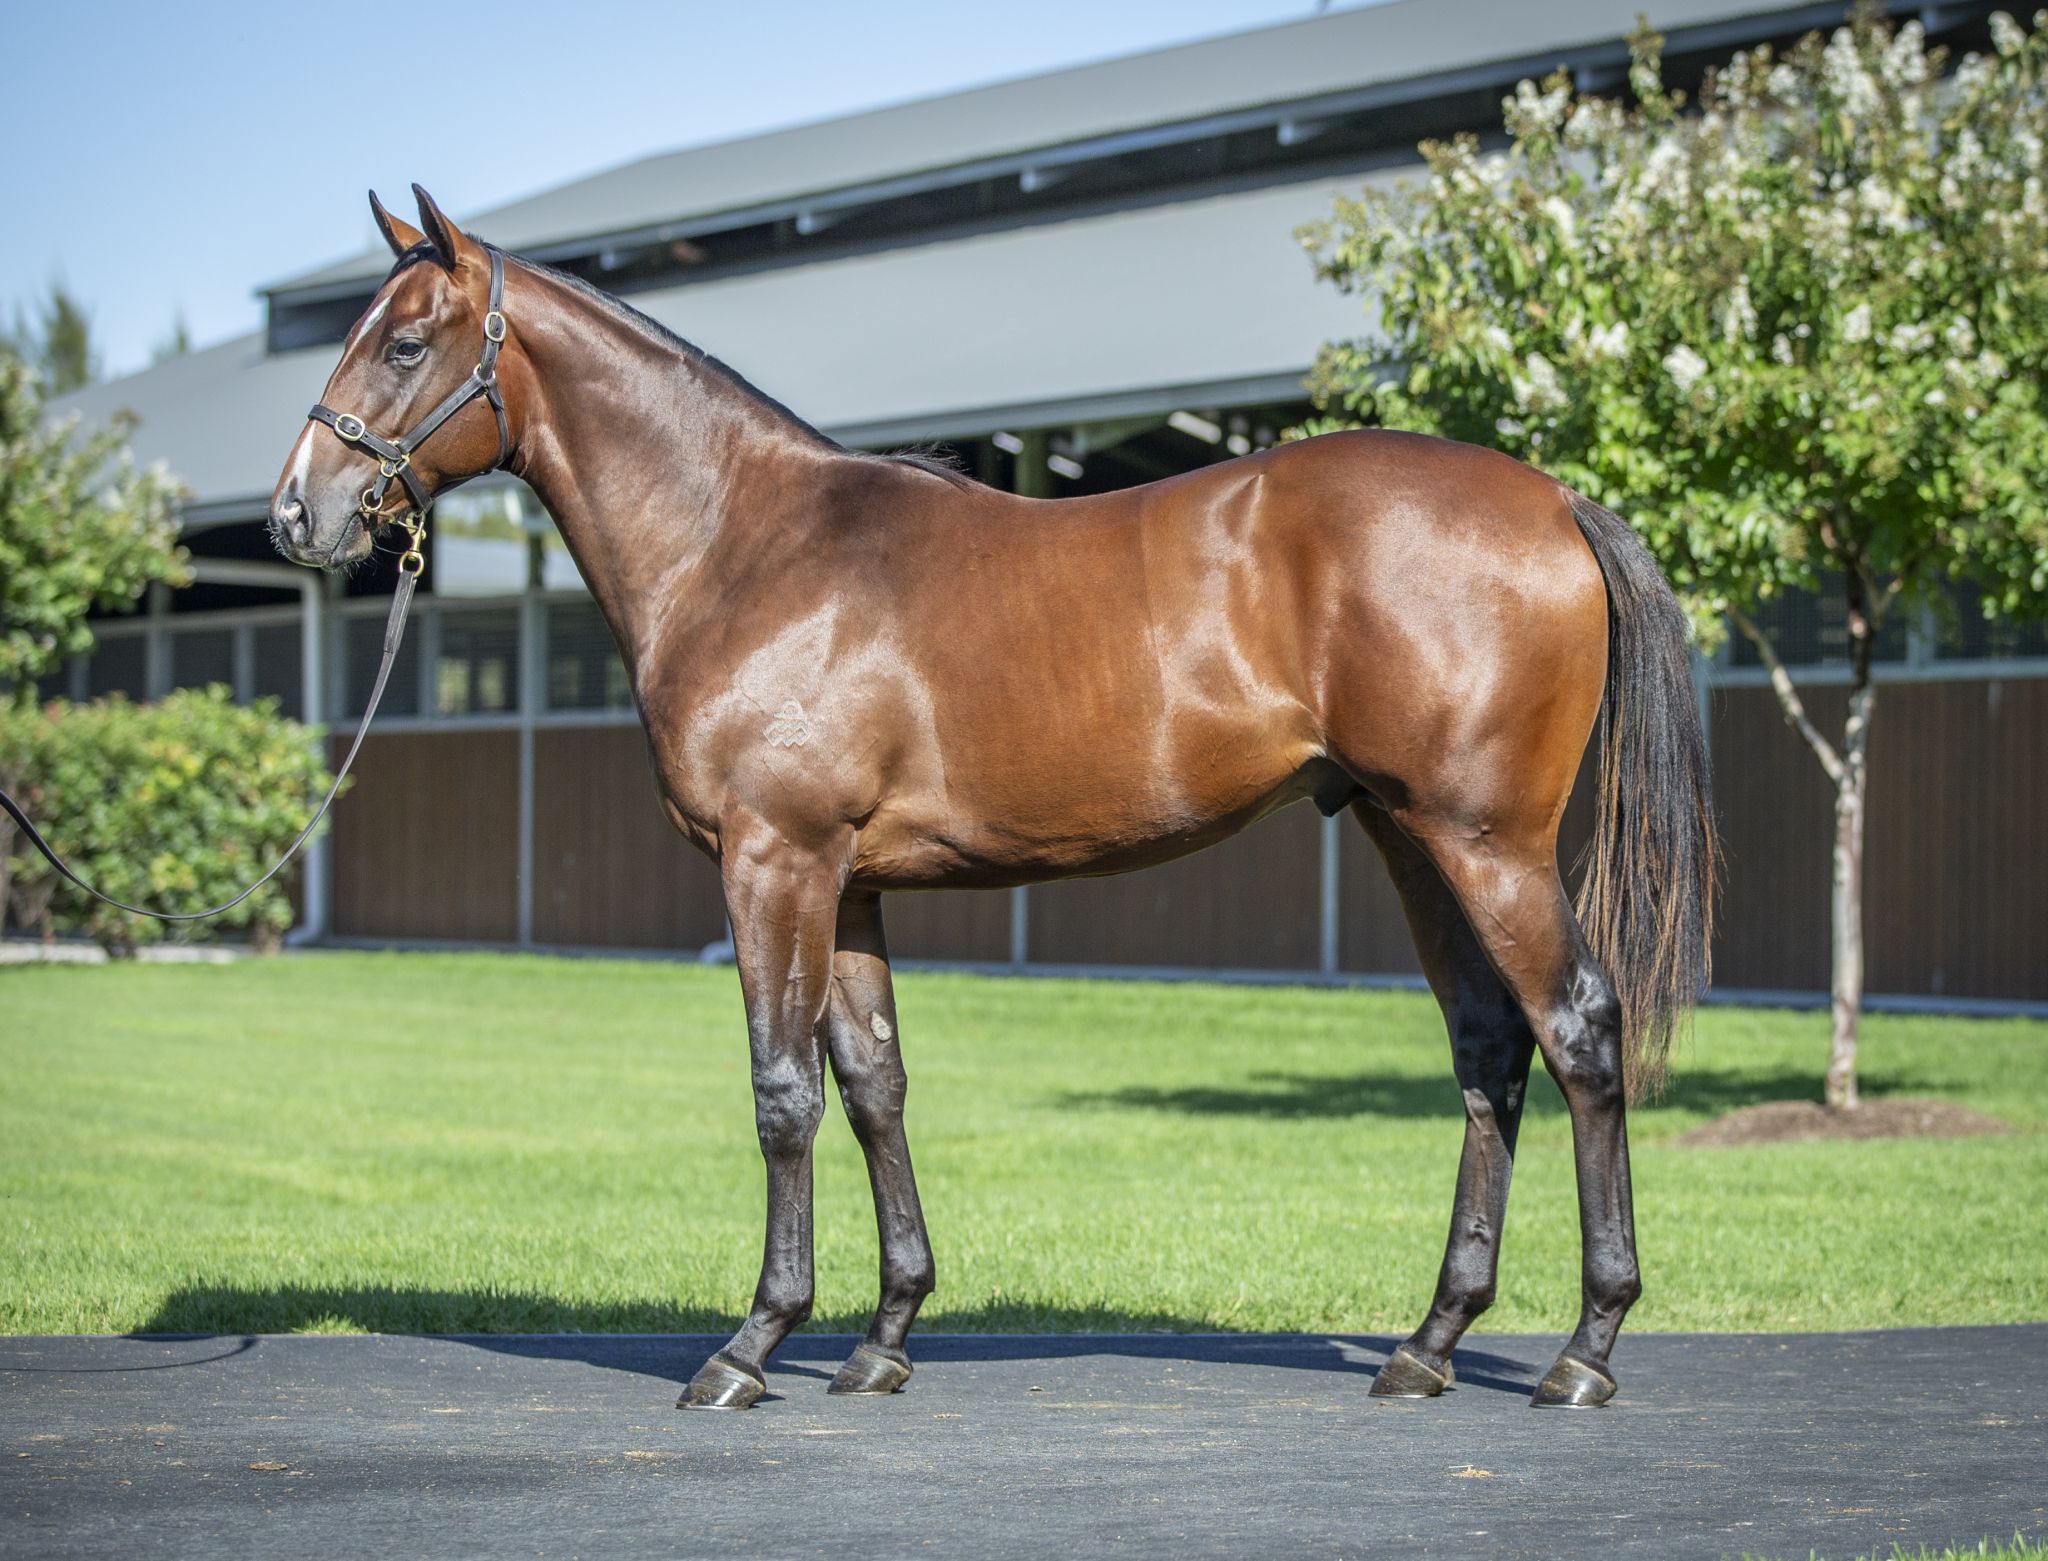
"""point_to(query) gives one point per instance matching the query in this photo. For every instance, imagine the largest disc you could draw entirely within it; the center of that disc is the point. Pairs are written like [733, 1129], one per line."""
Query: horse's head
[362, 461]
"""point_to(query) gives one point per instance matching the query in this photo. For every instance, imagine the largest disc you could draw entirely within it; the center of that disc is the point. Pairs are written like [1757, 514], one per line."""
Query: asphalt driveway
[562, 1445]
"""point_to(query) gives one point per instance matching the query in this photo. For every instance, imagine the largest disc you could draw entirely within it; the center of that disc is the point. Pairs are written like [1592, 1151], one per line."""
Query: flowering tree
[1800, 337]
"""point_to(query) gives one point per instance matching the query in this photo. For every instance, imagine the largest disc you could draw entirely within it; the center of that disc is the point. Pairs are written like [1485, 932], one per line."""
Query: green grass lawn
[477, 1142]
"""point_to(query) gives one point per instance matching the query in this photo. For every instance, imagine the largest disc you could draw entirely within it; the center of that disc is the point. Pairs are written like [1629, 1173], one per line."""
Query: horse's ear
[398, 233]
[448, 240]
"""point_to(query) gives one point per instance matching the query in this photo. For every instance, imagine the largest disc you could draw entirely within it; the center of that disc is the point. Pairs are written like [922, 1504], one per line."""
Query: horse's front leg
[867, 1060]
[782, 902]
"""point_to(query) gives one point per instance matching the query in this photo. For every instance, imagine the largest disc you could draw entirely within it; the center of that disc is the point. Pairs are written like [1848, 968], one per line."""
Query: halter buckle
[494, 326]
[349, 427]
[389, 468]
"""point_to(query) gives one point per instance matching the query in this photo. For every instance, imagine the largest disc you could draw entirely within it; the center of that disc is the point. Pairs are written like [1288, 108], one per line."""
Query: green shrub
[175, 805]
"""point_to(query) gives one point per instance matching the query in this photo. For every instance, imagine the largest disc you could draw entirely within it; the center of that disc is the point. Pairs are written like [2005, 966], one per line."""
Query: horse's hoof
[1572, 1384]
[872, 1368]
[722, 1384]
[1412, 1374]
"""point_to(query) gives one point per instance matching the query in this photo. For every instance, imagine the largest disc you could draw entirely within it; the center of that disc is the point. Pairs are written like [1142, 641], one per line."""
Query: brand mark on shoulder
[790, 728]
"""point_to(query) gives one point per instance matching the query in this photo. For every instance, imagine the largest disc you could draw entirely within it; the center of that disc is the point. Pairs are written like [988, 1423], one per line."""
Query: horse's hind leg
[867, 1060]
[1505, 879]
[1491, 1043]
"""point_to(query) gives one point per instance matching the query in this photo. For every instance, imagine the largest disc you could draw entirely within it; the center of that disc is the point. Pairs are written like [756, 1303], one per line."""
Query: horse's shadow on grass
[1317, 1096]
[661, 1339]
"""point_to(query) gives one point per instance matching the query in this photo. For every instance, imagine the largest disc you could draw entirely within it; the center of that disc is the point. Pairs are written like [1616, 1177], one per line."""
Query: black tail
[1647, 904]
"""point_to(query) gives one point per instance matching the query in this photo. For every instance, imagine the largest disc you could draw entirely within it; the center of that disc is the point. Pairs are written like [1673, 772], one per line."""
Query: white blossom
[1530, 111]
[1738, 314]
[1685, 367]
[1961, 335]
[1561, 218]
[1905, 62]
[1663, 170]
[2006, 36]
[1856, 324]
[1842, 67]
[1608, 341]
[1973, 75]
[1781, 349]
[1536, 389]
[1912, 338]
[1883, 205]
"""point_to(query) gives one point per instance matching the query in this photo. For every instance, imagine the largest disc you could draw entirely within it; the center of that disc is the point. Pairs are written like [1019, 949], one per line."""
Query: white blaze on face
[302, 458]
[364, 324]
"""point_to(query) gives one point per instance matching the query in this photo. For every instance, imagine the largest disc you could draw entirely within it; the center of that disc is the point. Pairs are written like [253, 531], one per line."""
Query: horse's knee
[789, 1102]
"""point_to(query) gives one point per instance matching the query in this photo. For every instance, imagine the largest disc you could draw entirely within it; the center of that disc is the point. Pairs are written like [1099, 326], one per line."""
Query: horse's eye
[408, 350]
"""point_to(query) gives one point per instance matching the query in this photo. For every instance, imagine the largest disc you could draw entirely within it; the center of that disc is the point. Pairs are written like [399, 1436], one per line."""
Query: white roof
[1086, 317]
[1338, 52]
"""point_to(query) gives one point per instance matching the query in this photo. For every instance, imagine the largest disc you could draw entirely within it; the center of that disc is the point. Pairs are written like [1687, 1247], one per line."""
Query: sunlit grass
[476, 1142]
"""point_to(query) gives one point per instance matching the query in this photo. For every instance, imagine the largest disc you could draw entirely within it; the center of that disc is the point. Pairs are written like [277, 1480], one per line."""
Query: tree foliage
[81, 529]
[58, 341]
[1802, 330]
[178, 804]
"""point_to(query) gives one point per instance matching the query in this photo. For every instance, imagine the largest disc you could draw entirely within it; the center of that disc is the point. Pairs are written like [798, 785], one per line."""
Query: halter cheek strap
[394, 456]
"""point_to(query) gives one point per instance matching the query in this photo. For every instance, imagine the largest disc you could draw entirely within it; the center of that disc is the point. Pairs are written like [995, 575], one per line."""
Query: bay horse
[863, 673]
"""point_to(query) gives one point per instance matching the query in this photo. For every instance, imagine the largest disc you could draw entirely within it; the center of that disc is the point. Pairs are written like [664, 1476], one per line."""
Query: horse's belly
[1043, 817]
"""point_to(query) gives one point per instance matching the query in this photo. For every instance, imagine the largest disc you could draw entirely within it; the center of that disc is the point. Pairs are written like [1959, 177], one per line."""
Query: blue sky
[174, 157]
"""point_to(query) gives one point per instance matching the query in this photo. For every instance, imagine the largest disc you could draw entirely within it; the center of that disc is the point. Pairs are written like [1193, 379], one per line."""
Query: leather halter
[394, 456]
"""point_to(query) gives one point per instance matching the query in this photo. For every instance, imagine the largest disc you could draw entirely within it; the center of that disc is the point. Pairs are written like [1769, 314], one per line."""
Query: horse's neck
[661, 472]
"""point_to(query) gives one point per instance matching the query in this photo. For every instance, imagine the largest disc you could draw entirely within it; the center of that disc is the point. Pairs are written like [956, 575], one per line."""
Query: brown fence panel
[1956, 851]
[963, 924]
[610, 871]
[1776, 811]
[1958, 846]
[426, 841]
[1249, 903]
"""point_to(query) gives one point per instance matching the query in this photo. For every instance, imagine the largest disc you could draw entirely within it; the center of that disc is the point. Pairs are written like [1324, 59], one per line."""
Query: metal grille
[120, 665]
[477, 672]
[279, 672]
[1812, 629]
[202, 656]
[584, 670]
[362, 649]
[1963, 633]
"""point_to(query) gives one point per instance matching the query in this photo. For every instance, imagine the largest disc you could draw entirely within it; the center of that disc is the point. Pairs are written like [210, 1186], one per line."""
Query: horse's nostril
[292, 520]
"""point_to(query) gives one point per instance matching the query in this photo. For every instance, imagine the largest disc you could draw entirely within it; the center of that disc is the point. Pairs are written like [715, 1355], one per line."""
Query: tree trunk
[1848, 769]
[1847, 975]
[1852, 784]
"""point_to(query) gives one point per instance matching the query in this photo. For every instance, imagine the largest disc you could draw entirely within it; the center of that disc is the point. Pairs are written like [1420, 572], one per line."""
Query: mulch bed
[1794, 1121]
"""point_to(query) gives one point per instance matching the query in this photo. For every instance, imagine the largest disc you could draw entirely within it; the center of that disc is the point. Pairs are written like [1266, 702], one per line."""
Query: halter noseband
[394, 456]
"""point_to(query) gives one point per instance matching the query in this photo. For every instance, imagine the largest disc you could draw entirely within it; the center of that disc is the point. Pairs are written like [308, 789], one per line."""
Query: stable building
[1077, 281]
